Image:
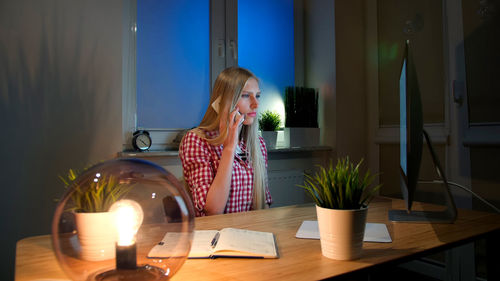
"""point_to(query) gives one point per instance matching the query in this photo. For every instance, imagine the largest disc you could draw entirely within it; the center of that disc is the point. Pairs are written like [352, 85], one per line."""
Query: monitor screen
[402, 120]
[411, 127]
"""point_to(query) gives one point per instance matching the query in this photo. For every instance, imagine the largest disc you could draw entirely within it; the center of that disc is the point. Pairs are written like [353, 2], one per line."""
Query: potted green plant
[342, 196]
[91, 199]
[269, 124]
[98, 196]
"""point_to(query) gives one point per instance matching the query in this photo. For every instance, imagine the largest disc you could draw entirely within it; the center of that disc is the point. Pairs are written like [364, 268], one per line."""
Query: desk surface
[300, 259]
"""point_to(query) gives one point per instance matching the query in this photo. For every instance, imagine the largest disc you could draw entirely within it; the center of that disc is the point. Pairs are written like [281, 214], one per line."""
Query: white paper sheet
[374, 232]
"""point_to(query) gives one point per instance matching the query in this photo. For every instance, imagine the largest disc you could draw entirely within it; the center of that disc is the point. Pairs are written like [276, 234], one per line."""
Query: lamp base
[145, 273]
[126, 257]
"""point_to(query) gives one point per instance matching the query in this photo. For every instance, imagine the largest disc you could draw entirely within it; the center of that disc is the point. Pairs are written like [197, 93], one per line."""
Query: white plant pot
[97, 235]
[341, 232]
[301, 137]
[270, 138]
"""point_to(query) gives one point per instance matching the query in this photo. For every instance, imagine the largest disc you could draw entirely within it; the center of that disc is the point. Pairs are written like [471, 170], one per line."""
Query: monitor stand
[421, 216]
[447, 216]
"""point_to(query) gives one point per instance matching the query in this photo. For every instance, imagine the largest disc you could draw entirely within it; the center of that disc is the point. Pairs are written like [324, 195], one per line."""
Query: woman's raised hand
[235, 121]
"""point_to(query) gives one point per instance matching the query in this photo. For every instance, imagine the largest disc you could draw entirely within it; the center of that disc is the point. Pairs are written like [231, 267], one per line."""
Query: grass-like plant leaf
[98, 196]
[340, 187]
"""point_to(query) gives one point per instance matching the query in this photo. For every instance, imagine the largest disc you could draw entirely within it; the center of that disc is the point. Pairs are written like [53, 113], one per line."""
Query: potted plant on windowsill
[342, 196]
[269, 124]
[301, 117]
[95, 226]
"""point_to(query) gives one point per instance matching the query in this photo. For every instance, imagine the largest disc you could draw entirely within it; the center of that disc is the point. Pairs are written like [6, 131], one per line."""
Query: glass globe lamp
[111, 223]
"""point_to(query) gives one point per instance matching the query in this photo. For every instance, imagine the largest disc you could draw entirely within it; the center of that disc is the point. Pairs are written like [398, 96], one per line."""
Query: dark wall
[60, 105]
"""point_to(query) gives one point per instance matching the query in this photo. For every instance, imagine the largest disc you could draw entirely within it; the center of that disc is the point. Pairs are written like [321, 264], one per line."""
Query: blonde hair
[228, 87]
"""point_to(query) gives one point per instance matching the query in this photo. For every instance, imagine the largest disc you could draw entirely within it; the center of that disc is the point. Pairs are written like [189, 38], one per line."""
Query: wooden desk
[300, 259]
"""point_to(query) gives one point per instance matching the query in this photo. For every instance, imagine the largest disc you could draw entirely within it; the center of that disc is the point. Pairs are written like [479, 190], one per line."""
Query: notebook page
[201, 246]
[172, 245]
[254, 243]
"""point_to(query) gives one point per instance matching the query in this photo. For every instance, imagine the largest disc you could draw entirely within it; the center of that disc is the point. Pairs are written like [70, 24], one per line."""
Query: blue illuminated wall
[266, 47]
[172, 63]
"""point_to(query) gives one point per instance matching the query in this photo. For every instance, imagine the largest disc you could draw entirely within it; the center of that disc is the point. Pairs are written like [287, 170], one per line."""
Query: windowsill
[280, 149]
[149, 153]
[175, 152]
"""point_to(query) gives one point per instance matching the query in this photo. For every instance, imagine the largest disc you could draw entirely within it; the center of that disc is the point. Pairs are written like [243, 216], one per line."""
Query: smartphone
[236, 116]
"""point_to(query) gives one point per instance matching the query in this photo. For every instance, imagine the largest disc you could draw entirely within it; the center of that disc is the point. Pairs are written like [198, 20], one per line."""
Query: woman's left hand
[235, 121]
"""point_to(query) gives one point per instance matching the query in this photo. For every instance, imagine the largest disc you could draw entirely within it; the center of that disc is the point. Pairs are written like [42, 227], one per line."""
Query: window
[172, 63]
[266, 46]
[180, 49]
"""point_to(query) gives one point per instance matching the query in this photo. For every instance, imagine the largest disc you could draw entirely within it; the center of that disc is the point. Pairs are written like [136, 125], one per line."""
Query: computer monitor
[410, 131]
[412, 136]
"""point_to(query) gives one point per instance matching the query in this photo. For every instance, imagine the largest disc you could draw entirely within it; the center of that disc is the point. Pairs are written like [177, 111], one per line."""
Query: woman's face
[249, 101]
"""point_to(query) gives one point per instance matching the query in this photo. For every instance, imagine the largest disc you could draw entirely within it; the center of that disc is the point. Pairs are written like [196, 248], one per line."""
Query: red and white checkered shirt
[200, 161]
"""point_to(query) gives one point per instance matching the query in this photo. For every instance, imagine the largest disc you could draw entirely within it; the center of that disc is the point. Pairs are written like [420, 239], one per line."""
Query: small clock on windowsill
[141, 140]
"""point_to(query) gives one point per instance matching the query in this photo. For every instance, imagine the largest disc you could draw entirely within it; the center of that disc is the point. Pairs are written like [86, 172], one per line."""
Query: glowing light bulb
[128, 219]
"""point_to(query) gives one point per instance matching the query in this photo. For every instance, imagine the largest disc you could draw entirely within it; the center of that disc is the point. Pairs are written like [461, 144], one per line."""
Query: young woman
[223, 159]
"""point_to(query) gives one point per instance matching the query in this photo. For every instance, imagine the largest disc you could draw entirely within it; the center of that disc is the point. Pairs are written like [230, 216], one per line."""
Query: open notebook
[228, 242]
[374, 232]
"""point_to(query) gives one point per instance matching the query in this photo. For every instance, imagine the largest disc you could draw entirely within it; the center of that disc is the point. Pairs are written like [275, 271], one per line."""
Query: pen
[214, 241]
